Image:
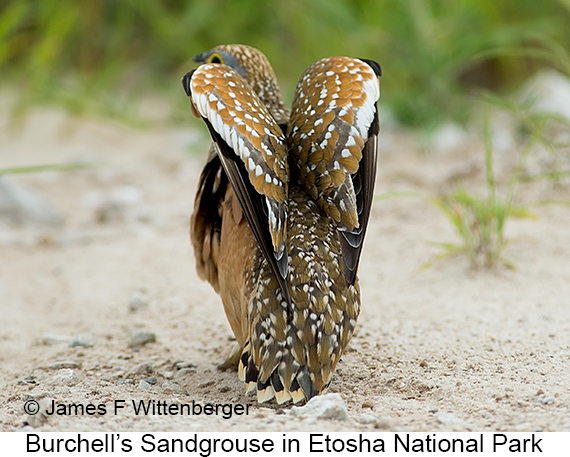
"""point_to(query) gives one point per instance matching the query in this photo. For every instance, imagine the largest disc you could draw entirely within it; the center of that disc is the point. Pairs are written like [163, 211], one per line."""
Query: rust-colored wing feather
[252, 149]
[332, 135]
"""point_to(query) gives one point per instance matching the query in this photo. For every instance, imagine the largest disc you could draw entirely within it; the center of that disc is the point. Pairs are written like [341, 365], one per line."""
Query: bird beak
[201, 58]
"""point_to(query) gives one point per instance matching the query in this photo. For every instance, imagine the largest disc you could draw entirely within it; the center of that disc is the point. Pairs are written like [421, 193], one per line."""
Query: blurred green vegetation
[103, 56]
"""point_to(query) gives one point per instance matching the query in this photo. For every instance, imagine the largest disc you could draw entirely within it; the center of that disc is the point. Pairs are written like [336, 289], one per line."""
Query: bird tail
[302, 387]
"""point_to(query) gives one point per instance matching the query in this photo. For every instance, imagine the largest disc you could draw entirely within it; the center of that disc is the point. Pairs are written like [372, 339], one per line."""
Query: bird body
[282, 209]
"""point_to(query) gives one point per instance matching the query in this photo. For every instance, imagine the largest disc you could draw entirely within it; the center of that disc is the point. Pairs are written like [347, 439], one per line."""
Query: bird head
[247, 61]
[254, 67]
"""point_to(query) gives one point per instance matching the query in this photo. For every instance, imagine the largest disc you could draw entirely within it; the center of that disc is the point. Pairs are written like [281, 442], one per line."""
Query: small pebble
[65, 376]
[36, 420]
[142, 369]
[138, 301]
[384, 423]
[127, 381]
[151, 380]
[144, 385]
[84, 340]
[367, 419]
[140, 338]
[51, 339]
[188, 364]
[64, 364]
[186, 371]
[171, 387]
[448, 419]
[33, 395]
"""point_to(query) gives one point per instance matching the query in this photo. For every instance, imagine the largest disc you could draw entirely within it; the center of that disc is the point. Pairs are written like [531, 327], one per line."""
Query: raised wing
[332, 136]
[252, 149]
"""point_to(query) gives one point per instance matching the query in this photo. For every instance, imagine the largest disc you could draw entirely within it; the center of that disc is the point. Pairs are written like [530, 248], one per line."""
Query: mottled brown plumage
[282, 208]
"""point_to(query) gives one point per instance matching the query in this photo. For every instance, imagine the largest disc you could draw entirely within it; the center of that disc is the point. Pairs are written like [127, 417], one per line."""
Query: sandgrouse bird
[282, 208]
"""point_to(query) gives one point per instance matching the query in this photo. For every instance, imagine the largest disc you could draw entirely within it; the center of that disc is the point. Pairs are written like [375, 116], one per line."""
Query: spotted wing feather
[332, 136]
[252, 149]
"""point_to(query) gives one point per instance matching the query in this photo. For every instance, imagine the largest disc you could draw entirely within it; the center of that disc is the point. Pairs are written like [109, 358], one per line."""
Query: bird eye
[216, 58]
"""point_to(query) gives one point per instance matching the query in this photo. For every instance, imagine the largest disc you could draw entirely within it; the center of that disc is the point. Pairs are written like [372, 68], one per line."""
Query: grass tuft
[480, 222]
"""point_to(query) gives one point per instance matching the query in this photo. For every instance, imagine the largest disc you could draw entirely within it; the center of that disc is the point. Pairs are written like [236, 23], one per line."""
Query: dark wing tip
[351, 242]
[186, 82]
[374, 65]
[351, 248]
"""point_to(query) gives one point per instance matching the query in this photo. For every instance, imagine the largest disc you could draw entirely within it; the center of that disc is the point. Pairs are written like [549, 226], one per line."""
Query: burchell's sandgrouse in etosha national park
[282, 208]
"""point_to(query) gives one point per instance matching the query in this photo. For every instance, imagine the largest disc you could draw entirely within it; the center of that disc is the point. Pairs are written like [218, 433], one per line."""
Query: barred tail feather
[302, 385]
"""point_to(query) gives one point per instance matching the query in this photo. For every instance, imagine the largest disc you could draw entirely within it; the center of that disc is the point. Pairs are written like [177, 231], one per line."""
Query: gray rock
[141, 370]
[85, 340]
[143, 385]
[171, 387]
[20, 206]
[140, 338]
[329, 406]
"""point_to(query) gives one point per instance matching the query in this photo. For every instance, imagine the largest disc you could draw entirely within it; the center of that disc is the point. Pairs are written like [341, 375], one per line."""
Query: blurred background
[105, 57]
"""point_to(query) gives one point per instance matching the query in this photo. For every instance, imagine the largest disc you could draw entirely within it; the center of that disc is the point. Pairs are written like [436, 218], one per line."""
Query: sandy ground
[448, 348]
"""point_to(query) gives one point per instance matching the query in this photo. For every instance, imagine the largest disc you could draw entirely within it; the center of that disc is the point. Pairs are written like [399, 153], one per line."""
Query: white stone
[329, 406]
[550, 93]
